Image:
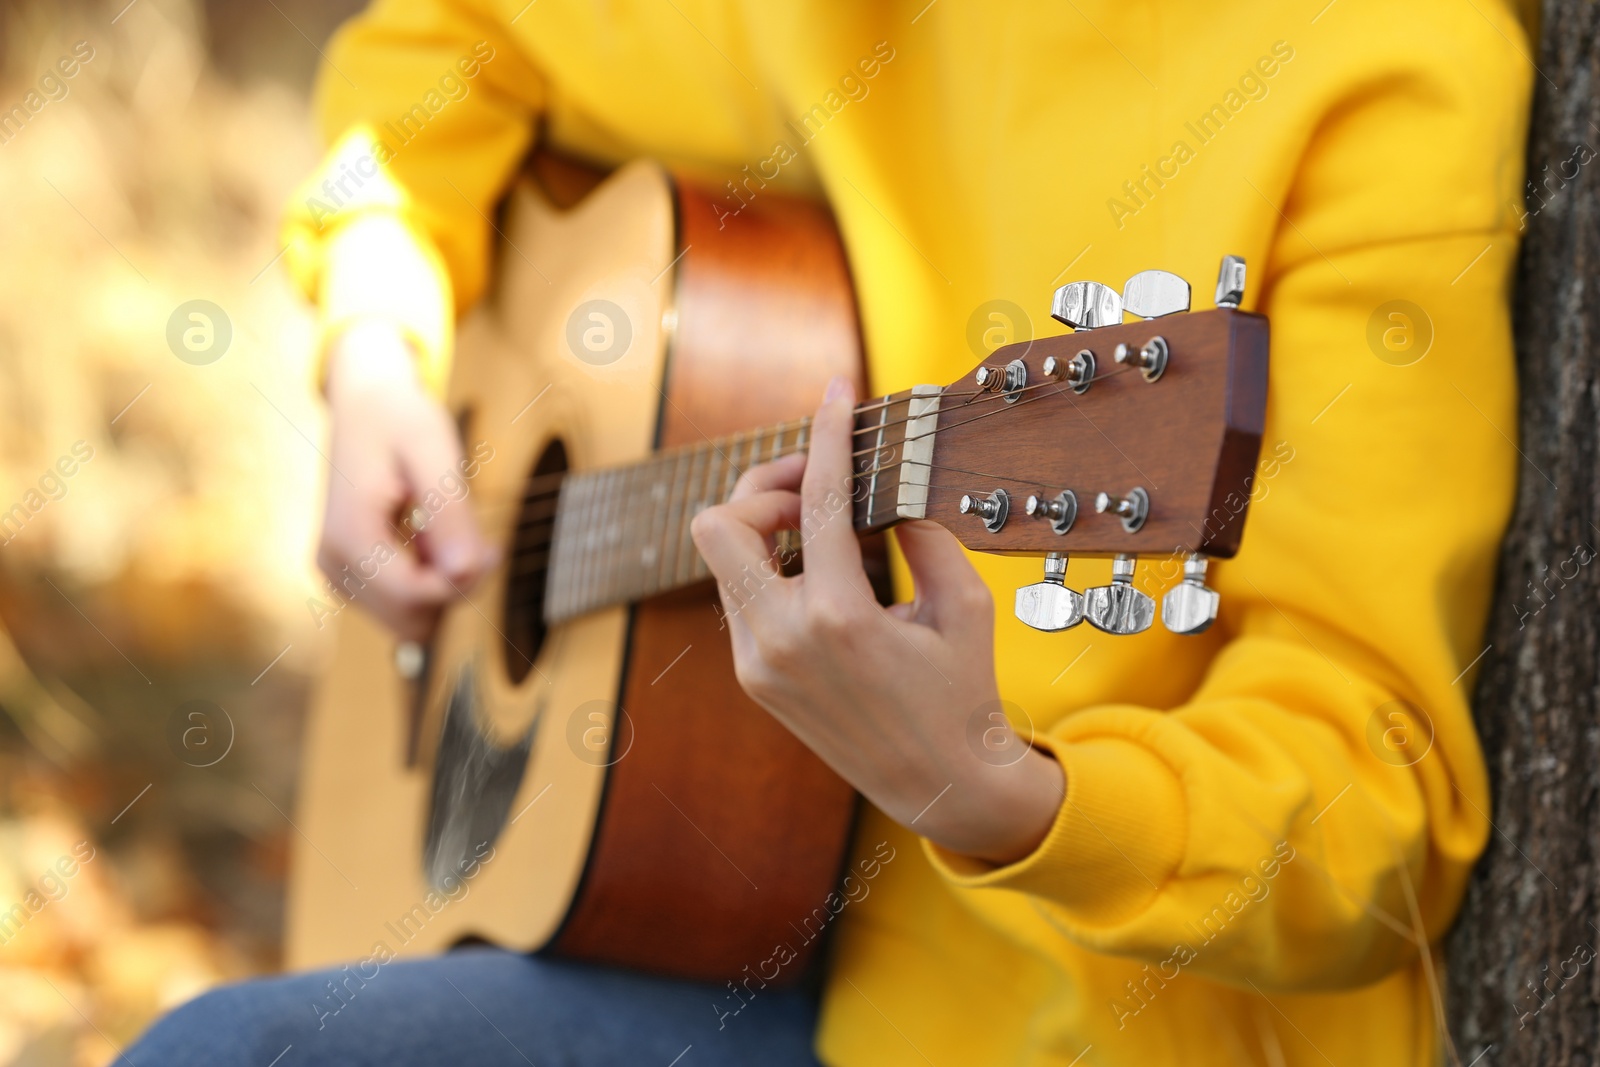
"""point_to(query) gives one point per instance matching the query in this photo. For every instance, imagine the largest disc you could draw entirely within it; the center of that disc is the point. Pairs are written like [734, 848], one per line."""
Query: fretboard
[622, 533]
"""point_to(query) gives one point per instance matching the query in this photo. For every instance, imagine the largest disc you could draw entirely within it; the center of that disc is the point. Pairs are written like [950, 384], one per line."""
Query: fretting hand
[883, 695]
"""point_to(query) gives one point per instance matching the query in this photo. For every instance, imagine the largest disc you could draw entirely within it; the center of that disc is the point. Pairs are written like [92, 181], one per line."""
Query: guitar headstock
[1122, 438]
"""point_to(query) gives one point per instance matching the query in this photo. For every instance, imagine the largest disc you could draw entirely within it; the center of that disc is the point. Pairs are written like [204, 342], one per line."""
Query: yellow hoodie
[1263, 823]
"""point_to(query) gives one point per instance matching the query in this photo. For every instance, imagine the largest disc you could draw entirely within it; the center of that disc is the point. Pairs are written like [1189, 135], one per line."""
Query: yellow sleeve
[1325, 779]
[429, 106]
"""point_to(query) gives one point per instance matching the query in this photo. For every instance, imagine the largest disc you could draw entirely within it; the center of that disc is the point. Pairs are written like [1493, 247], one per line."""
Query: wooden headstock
[1120, 439]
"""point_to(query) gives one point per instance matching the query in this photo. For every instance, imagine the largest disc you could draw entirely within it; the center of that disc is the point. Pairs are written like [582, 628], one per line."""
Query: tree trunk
[1524, 972]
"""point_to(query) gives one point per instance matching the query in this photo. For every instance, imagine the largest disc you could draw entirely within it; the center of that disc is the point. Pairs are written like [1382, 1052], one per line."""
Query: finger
[733, 536]
[430, 465]
[367, 566]
[782, 473]
[833, 556]
[950, 595]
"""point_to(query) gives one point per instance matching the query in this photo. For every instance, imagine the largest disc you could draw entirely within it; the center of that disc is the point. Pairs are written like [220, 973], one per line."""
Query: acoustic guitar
[570, 765]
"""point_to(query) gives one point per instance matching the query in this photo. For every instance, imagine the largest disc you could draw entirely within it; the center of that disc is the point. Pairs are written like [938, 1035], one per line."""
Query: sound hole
[529, 558]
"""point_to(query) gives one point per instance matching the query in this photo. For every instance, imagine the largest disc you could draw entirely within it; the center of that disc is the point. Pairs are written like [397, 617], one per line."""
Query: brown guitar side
[766, 316]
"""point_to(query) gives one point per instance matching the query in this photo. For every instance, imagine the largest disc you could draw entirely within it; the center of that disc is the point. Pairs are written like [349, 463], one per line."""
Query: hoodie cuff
[1117, 838]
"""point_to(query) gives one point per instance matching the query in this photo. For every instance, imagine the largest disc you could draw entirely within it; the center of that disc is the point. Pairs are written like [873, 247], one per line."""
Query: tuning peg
[1062, 511]
[1087, 305]
[1132, 509]
[1078, 372]
[1151, 294]
[1150, 357]
[1049, 605]
[1230, 282]
[1191, 606]
[1119, 608]
[1012, 379]
[992, 509]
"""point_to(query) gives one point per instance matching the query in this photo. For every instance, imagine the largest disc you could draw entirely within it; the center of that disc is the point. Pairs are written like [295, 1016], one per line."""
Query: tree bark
[1524, 974]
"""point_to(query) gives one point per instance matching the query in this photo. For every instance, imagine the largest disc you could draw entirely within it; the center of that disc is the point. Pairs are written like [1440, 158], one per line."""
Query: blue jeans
[485, 1007]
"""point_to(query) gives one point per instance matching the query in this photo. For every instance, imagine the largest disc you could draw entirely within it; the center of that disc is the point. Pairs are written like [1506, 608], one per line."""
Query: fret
[565, 557]
[610, 533]
[670, 525]
[584, 544]
[874, 462]
[640, 499]
[554, 587]
[756, 450]
[732, 474]
[682, 542]
[622, 533]
[595, 578]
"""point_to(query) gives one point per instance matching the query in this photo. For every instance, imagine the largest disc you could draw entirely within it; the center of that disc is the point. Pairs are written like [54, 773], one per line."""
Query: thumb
[949, 592]
[430, 463]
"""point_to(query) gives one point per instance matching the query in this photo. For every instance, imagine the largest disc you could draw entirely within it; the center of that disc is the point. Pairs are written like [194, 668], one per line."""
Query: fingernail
[839, 387]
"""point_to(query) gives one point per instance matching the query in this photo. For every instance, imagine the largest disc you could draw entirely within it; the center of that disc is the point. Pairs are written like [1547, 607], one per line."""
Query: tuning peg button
[1119, 608]
[1087, 305]
[1150, 357]
[1077, 372]
[1049, 605]
[992, 509]
[1132, 509]
[1230, 282]
[1062, 511]
[1151, 294]
[1191, 606]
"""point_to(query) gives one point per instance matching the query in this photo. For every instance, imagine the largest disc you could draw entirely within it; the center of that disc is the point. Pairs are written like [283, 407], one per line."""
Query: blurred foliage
[174, 564]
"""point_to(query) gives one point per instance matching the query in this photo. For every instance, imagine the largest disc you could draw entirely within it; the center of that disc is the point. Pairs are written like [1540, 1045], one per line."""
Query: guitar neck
[621, 534]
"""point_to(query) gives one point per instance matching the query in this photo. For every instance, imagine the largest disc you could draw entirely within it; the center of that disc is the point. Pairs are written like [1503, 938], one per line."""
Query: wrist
[998, 814]
[371, 355]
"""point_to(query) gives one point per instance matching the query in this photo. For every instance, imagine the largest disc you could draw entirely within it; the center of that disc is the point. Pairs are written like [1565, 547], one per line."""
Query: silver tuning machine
[1191, 606]
[1230, 282]
[1011, 379]
[1087, 305]
[1132, 509]
[1049, 605]
[1150, 294]
[1061, 510]
[1150, 357]
[992, 509]
[1119, 608]
[1077, 372]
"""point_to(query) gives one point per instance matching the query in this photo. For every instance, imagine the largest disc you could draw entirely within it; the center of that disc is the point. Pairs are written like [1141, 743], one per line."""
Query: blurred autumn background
[173, 565]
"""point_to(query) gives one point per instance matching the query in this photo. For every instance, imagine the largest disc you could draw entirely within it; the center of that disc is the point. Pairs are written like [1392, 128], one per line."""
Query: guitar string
[676, 453]
[872, 516]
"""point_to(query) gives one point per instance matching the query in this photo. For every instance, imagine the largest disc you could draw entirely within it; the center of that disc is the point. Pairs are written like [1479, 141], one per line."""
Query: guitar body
[500, 794]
